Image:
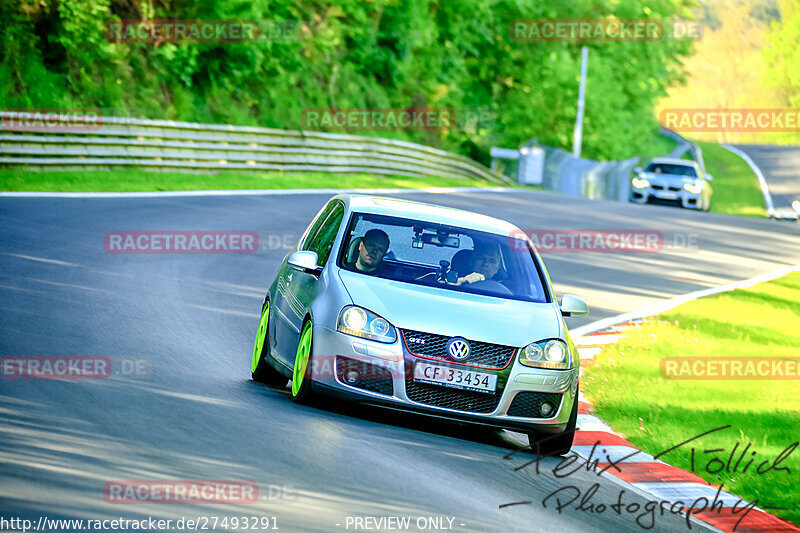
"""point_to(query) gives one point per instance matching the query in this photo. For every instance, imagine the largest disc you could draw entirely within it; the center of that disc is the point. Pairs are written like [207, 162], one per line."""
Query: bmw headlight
[695, 188]
[552, 354]
[640, 183]
[359, 322]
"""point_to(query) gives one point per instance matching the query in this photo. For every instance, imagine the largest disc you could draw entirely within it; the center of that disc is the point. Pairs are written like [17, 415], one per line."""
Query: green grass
[736, 190]
[629, 392]
[136, 180]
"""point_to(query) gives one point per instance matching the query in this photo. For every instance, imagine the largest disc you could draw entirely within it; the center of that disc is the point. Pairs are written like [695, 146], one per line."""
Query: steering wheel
[490, 285]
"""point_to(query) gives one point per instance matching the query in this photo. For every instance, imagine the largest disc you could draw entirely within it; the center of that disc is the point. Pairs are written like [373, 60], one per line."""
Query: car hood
[451, 313]
[669, 179]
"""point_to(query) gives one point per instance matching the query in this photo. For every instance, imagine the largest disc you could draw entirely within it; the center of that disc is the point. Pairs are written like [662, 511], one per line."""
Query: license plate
[456, 378]
[666, 195]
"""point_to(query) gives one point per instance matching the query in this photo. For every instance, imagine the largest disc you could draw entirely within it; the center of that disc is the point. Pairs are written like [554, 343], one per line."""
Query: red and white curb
[642, 473]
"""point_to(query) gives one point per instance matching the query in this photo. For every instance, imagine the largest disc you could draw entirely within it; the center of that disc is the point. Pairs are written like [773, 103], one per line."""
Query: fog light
[546, 409]
[351, 376]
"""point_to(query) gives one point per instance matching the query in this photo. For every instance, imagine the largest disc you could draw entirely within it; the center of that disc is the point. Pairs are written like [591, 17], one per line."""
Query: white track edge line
[666, 305]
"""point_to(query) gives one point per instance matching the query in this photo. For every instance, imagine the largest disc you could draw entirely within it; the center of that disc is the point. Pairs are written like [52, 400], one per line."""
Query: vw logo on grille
[458, 349]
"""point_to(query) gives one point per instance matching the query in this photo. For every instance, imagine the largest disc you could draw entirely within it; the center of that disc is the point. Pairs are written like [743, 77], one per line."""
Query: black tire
[263, 371]
[551, 444]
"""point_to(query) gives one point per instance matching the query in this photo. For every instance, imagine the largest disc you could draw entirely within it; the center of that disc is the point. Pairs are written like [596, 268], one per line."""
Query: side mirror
[305, 261]
[573, 306]
[708, 177]
[638, 170]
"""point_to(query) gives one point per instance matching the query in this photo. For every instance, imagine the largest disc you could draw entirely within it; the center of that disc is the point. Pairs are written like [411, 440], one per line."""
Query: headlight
[553, 354]
[640, 183]
[694, 188]
[359, 322]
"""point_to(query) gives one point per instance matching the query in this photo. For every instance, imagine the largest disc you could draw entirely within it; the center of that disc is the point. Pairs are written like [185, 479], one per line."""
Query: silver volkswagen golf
[427, 309]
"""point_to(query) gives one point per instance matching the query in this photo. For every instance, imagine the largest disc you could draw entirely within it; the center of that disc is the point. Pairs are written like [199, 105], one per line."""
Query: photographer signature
[645, 518]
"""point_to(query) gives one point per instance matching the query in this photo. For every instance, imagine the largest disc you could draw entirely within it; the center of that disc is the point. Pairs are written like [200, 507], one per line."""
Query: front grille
[373, 378]
[658, 187]
[449, 398]
[528, 404]
[481, 354]
[674, 189]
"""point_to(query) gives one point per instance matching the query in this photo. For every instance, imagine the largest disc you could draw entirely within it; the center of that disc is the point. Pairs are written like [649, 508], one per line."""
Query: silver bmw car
[423, 308]
[672, 181]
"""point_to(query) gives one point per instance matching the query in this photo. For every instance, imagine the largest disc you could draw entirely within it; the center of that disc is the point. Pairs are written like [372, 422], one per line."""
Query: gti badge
[416, 340]
[458, 349]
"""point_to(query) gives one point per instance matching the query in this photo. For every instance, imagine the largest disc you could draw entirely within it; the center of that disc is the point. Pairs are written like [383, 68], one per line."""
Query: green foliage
[347, 53]
[783, 57]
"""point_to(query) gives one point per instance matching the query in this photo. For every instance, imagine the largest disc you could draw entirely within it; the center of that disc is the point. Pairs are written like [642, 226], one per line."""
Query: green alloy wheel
[301, 377]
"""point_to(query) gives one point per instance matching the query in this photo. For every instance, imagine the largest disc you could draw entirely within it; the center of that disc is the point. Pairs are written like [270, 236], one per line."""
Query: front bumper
[399, 391]
[684, 198]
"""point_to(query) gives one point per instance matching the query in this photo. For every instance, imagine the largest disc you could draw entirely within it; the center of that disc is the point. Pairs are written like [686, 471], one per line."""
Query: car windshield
[447, 257]
[672, 169]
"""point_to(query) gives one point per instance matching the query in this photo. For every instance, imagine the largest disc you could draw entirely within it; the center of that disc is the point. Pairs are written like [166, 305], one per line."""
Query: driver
[371, 250]
[484, 262]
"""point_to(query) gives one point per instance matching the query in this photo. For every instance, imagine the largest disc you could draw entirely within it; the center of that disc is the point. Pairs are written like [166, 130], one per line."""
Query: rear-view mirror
[436, 239]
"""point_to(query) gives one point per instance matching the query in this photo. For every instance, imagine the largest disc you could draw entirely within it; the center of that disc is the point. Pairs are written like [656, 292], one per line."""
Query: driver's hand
[470, 278]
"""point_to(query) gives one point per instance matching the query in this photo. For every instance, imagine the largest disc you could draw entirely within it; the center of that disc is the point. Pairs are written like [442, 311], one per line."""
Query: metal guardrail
[113, 142]
[597, 180]
[685, 144]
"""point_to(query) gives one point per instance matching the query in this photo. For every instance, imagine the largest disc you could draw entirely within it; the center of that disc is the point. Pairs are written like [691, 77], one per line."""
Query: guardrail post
[531, 165]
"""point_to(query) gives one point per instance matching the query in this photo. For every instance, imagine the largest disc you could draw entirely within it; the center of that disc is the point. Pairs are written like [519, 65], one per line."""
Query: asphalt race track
[196, 415]
[779, 165]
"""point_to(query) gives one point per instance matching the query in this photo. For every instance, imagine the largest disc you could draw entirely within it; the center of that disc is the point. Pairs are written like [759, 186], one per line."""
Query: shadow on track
[416, 422]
